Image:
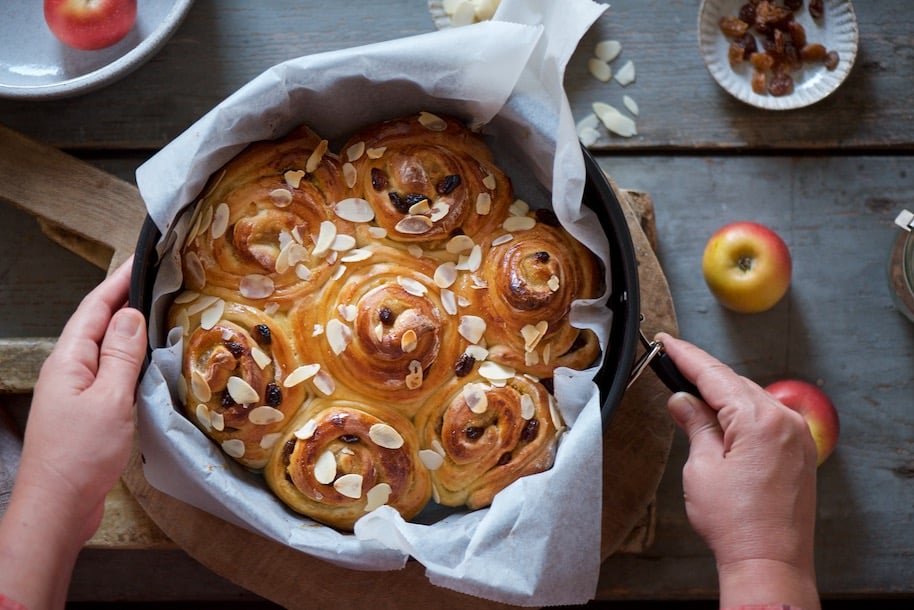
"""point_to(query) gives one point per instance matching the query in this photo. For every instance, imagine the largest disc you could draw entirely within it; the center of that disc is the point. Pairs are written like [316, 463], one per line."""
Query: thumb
[696, 419]
[122, 352]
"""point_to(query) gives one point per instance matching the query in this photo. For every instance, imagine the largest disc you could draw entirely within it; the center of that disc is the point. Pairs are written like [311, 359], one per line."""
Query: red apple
[747, 267]
[815, 406]
[90, 24]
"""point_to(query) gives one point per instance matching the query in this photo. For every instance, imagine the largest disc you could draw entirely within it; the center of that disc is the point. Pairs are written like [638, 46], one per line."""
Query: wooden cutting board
[101, 220]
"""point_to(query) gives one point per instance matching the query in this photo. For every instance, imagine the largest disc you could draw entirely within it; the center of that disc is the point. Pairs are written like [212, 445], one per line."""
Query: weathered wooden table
[829, 178]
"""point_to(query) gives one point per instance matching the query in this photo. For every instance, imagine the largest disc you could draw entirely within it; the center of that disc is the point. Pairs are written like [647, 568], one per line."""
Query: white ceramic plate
[35, 65]
[837, 30]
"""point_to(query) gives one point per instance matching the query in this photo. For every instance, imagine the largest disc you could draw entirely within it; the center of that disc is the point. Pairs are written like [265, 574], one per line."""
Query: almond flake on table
[607, 50]
[615, 121]
[626, 74]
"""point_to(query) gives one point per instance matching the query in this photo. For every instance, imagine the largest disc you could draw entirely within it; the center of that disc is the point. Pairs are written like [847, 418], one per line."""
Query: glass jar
[901, 265]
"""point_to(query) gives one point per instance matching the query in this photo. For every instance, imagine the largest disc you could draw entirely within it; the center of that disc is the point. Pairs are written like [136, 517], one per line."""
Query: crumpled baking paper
[539, 542]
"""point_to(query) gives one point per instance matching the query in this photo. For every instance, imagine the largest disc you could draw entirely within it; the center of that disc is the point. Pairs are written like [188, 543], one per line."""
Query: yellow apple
[815, 407]
[747, 266]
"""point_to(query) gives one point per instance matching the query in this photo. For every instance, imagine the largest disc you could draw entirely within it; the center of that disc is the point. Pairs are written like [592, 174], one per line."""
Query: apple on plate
[816, 407]
[90, 24]
[747, 266]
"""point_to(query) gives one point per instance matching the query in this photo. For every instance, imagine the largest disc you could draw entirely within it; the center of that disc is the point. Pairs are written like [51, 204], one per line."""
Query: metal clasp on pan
[905, 220]
[653, 349]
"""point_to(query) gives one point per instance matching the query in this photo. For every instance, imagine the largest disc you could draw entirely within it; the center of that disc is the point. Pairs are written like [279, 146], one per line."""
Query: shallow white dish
[35, 65]
[837, 30]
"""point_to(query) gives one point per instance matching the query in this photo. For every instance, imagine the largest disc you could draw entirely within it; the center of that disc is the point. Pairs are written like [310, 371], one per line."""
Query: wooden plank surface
[682, 107]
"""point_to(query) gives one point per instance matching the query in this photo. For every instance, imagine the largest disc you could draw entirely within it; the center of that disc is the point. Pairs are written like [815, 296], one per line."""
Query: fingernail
[126, 324]
[682, 406]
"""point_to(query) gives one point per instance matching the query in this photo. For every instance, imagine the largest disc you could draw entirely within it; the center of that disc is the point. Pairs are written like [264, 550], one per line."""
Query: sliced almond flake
[471, 328]
[325, 468]
[630, 104]
[432, 122]
[342, 243]
[241, 391]
[260, 357]
[495, 372]
[599, 69]
[502, 239]
[183, 321]
[607, 50]
[462, 301]
[474, 260]
[553, 283]
[325, 238]
[411, 286]
[317, 331]
[483, 204]
[533, 333]
[315, 159]
[350, 175]
[436, 495]
[385, 436]
[307, 430]
[296, 234]
[531, 358]
[377, 496]
[590, 120]
[297, 253]
[379, 331]
[282, 259]
[614, 120]
[414, 225]
[283, 197]
[324, 383]
[474, 394]
[626, 74]
[420, 207]
[460, 244]
[439, 211]
[264, 416]
[349, 485]
[430, 459]
[554, 413]
[414, 378]
[200, 387]
[293, 177]
[302, 272]
[203, 416]
[518, 223]
[355, 255]
[355, 152]
[376, 153]
[377, 232]
[302, 373]
[268, 441]
[233, 447]
[182, 389]
[187, 296]
[206, 219]
[201, 304]
[489, 182]
[226, 334]
[409, 341]
[256, 286]
[449, 301]
[547, 353]
[527, 407]
[218, 421]
[478, 352]
[415, 251]
[438, 448]
[212, 315]
[588, 136]
[220, 221]
[194, 223]
[348, 312]
[196, 276]
[354, 209]
[519, 208]
[338, 272]
[445, 275]
[338, 336]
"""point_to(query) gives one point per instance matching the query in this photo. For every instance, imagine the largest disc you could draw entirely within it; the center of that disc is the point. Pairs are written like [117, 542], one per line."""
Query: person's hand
[749, 482]
[77, 442]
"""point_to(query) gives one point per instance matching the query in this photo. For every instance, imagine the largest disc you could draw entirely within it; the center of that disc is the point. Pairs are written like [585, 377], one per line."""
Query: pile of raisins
[784, 47]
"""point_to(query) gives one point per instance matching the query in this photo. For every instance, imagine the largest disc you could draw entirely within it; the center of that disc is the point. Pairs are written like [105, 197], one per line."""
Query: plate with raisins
[778, 54]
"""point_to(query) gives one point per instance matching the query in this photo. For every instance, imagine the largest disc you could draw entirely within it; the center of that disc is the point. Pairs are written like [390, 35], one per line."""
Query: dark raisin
[832, 60]
[448, 184]
[235, 348]
[349, 438]
[793, 4]
[547, 217]
[747, 43]
[549, 384]
[733, 27]
[504, 459]
[541, 257]
[414, 198]
[274, 395]
[464, 365]
[747, 13]
[227, 401]
[780, 84]
[816, 9]
[530, 430]
[378, 179]
[473, 433]
[797, 34]
[263, 334]
[398, 202]
[287, 450]
[386, 316]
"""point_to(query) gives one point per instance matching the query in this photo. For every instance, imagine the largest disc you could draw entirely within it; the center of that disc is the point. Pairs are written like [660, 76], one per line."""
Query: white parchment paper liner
[539, 542]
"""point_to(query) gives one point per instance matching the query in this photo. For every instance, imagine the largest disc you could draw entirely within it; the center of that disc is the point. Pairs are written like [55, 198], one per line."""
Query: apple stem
[745, 263]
